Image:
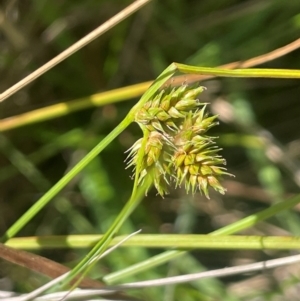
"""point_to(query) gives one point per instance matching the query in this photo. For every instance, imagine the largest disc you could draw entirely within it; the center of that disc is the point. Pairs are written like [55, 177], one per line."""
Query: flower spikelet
[168, 108]
[178, 148]
[155, 160]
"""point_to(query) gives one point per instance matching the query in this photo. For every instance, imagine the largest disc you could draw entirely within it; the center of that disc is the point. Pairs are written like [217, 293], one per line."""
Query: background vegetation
[202, 33]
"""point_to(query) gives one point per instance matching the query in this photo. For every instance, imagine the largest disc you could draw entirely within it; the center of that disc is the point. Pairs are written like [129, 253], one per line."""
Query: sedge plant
[176, 149]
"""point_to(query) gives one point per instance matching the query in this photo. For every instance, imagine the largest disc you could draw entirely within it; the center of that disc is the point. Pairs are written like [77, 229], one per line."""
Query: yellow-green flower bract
[177, 147]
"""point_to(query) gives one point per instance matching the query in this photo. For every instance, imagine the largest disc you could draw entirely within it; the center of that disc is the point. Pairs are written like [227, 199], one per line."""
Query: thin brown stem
[40, 264]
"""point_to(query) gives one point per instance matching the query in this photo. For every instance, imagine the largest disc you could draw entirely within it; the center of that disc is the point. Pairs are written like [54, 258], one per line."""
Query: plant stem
[240, 225]
[44, 200]
[251, 72]
[130, 9]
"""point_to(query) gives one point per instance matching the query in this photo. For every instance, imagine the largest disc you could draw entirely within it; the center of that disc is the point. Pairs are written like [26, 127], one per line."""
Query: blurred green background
[201, 33]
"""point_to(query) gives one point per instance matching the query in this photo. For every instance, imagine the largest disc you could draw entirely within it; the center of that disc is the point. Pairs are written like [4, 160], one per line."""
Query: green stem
[44, 200]
[106, 239]
[182, 241]
[65, 108]
[227, 230]
[251, 72]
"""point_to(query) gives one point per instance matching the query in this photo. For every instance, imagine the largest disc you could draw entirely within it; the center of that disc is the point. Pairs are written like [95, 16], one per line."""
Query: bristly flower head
[177, 148]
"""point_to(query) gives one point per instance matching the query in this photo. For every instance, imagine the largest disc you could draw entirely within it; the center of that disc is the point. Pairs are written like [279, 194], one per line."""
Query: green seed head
[176, 148]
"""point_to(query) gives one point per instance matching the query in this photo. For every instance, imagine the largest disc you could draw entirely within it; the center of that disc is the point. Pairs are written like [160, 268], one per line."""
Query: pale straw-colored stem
[75, 47]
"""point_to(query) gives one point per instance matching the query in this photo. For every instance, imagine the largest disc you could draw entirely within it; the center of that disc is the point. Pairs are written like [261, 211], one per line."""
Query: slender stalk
[181, 241]
[45, 199]
[227, 230]
[68, 107]
[130, 9]
[257, 73]
[228, 271]
[105, 241]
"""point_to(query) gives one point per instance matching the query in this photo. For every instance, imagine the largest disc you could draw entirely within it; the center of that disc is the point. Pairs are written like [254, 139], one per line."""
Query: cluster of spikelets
[177, 147]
